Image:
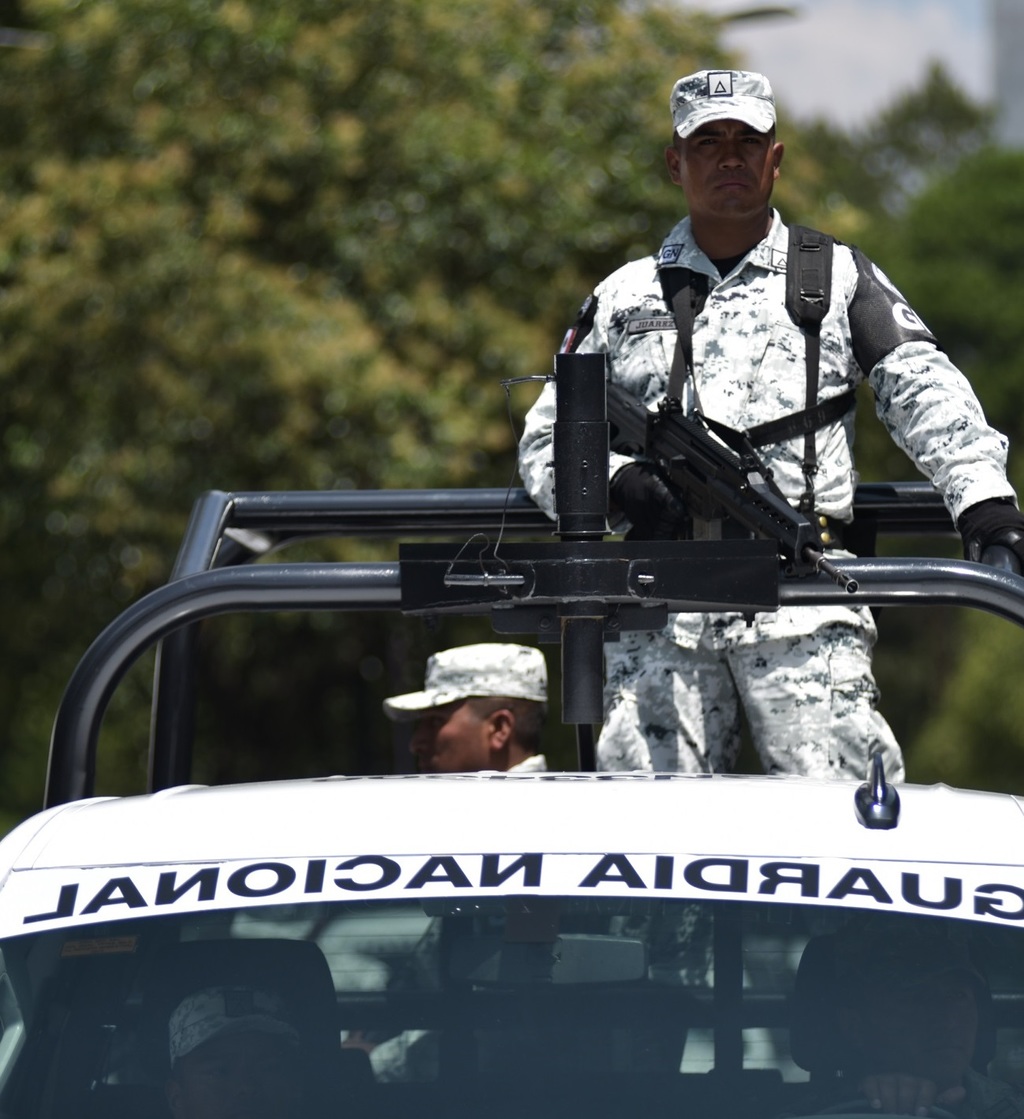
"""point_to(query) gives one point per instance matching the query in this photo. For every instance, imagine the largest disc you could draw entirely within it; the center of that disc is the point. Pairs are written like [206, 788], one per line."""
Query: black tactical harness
[808, 294]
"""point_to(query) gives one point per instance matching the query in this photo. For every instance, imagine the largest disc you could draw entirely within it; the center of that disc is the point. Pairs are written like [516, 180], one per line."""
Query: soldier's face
[926, 1030]
[240, 1076]
[452, 739]
[726, 168]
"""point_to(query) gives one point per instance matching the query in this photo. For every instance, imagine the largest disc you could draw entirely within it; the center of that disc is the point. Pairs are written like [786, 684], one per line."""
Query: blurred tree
[960, 249]
[250, 246]
[957, 255]
[876, 170]
[11, 14]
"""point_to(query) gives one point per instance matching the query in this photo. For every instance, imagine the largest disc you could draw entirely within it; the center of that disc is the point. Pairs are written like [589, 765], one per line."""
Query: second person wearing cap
[482, 707]
[802, 674]
[233, 1054]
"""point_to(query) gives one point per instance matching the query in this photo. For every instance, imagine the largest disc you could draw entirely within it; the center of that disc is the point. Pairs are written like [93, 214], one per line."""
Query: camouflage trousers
[802, 675]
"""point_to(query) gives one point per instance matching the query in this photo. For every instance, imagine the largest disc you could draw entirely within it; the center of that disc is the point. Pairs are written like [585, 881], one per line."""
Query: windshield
[500, 1006]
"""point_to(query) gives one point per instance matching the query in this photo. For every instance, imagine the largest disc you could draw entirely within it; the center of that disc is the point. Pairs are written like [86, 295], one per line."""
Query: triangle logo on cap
[720, 83]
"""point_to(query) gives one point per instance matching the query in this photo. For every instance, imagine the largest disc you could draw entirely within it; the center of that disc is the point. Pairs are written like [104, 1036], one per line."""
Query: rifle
[717, 479]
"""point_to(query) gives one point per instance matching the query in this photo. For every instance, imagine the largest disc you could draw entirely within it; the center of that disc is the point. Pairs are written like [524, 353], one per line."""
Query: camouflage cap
[218, 1011]
[900, 952]
[490, 669]
[712, 95]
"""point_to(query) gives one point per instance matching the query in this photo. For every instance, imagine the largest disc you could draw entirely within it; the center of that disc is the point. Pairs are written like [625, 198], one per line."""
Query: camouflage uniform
[535, 763]
[803, 674]
[990, 1099]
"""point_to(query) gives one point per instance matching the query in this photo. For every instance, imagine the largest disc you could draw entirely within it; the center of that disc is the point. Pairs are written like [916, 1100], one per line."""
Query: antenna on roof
[876, 801]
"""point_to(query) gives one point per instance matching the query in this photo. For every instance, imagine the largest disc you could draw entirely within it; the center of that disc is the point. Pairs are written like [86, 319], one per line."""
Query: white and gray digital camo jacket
[748, 359]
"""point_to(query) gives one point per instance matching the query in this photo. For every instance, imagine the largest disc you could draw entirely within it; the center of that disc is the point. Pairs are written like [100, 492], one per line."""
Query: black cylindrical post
[582, 669]
[581, 446]
[586, 748]
[580, 439]
[173, 718]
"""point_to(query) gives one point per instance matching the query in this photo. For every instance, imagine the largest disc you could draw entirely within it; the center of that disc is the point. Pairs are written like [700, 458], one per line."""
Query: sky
[846, 59]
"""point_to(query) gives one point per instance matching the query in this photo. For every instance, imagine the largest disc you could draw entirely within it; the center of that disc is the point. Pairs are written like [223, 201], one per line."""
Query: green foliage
[972, 735]
[960, 250]
[956, 255]
[246, 246]
[880, 168]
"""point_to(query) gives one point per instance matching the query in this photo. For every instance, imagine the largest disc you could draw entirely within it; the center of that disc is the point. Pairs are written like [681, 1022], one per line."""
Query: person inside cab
[912, 1007]
[482, 707]
[234, 1055]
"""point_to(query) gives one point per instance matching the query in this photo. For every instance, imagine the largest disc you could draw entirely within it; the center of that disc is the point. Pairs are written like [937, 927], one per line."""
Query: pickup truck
[509, 945]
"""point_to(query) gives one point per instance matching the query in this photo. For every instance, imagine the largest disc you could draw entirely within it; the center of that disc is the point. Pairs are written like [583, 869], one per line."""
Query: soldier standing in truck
[705, 322]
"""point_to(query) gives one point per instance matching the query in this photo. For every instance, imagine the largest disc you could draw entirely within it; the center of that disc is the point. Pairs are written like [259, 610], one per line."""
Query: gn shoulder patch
[880, 317]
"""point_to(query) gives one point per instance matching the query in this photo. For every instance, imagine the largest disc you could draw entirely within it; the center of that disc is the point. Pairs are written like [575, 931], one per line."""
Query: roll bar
[576, 588]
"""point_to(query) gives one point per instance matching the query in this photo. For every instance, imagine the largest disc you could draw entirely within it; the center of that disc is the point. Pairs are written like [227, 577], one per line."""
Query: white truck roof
[775, 838]
[421, 813]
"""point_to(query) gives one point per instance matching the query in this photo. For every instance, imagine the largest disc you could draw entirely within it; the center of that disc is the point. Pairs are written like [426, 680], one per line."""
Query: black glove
[652, 506]
[996, 522]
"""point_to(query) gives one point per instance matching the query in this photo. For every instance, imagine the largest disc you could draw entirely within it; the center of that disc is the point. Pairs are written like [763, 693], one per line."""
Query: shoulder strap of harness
[685, 293]
[808, 276]
[808, 294]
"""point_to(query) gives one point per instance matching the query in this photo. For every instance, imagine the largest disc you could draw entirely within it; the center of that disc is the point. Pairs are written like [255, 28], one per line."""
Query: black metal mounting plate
[589, 577]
